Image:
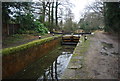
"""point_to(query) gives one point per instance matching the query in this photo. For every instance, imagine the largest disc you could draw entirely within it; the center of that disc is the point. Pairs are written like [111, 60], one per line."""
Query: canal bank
[16, 58]
[76, 68]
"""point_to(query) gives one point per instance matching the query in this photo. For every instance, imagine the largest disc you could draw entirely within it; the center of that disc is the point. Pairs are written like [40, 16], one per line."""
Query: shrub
[40, 28]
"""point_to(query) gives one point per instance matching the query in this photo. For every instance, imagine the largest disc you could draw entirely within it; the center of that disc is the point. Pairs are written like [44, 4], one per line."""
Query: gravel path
[101, 59]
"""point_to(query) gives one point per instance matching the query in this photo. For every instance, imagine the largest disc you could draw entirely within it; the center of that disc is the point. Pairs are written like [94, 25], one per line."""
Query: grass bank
[7, 51]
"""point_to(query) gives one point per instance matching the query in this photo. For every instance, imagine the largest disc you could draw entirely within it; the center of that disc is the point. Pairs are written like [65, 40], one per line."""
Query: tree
[11, 12]
[93, 16]
[96, 6]
[91, 21]
[52, 14]
[56, 13]
[70, 25]
[111, 16]
[110, 11]
[5, 12]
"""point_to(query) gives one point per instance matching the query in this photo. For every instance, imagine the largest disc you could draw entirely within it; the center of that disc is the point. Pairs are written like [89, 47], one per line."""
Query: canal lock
[51, 66]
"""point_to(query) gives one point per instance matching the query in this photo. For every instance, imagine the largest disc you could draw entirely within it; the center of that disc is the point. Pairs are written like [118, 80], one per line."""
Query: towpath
[100, 61]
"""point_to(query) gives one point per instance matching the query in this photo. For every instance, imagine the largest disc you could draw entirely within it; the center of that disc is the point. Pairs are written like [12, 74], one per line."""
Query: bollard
[53, 34]
[39, 37]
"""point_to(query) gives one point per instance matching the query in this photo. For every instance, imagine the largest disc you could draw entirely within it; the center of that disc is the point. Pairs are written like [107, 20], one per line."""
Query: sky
[80, 5]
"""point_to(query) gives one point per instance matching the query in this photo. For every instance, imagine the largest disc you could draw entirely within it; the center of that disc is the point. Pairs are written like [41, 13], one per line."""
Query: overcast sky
[79, 7]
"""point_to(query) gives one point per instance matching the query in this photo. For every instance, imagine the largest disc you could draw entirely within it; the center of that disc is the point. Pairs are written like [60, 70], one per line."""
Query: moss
[7, 51]
[80, 51]
[82, 48]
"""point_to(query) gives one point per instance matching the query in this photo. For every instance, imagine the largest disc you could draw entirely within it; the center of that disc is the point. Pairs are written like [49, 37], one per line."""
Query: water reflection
[50, 66]
[57, 68]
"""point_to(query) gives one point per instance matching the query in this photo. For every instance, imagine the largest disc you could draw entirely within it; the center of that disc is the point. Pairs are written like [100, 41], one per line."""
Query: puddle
[105, 48]
[104, 53]
[107, 45]
[115, 53]
[50, 66]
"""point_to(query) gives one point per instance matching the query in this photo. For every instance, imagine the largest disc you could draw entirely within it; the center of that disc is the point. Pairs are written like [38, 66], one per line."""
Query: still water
[50, 66]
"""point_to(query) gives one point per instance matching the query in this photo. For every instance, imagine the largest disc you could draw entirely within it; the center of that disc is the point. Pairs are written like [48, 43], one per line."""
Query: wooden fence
[9, 29]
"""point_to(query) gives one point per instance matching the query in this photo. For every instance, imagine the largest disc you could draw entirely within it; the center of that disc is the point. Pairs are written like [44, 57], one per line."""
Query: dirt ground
[100, 61]
[102, 57]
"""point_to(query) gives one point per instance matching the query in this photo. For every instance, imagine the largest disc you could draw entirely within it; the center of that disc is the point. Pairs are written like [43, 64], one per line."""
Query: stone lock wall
[15, 62]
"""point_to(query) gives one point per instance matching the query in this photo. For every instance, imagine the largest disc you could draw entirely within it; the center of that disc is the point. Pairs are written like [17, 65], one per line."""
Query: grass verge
[7, 51]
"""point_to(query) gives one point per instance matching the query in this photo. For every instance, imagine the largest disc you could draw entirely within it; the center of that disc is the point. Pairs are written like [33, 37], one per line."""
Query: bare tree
[96, 6]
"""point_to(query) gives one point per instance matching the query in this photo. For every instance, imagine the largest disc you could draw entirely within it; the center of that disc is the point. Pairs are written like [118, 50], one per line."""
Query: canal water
[51, 66]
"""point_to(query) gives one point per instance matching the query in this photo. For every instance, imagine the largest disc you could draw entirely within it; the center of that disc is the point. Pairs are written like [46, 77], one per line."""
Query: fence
[9, 29]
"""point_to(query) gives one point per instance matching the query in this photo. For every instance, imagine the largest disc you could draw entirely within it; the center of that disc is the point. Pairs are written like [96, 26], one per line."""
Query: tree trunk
[49, 13]
[43, 14]
[56, 11]
[52, 15]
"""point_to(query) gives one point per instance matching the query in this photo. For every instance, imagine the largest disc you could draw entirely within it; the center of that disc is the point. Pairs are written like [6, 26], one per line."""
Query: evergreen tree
[112, 16]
